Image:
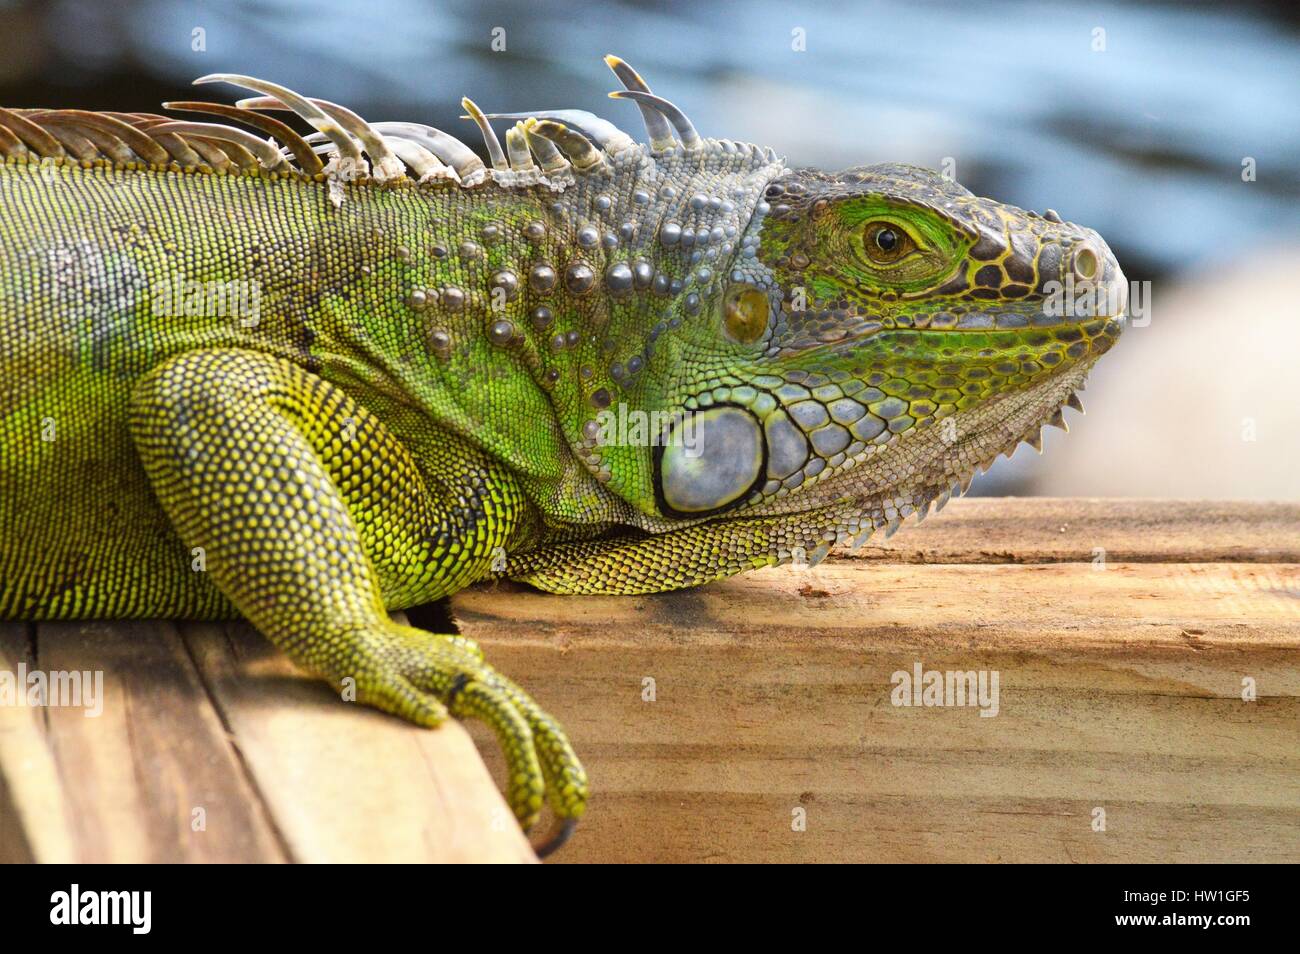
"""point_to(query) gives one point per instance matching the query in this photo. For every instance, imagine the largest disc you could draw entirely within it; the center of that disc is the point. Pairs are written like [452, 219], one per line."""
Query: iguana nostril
[1086, 266]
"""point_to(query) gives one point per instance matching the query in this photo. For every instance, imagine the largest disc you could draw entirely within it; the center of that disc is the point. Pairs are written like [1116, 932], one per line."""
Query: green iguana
[238, 380]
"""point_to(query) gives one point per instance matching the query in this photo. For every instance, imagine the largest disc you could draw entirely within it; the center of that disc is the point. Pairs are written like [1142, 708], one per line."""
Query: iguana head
[891, 333]
[850, 345]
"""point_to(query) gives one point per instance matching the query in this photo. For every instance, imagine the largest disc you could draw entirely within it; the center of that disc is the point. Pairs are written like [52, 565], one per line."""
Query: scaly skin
[426, 396]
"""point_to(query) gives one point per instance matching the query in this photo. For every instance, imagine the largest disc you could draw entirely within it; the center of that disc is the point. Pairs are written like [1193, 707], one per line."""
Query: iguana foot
[423, 677]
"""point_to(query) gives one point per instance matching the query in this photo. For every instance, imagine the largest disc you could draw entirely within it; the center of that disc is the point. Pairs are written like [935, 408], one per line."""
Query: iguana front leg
[311, 512]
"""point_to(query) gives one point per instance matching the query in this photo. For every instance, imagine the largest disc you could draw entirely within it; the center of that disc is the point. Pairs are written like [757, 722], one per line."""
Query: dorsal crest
[551, 148]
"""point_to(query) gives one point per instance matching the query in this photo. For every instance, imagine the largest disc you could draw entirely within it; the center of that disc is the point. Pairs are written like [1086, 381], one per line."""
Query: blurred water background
[1132, 118]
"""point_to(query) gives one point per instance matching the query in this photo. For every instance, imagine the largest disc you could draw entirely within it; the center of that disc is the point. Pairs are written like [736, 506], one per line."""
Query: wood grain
[240, 758]
[1050, 530]
[152, 777]
[344, 782]
[1120, 689]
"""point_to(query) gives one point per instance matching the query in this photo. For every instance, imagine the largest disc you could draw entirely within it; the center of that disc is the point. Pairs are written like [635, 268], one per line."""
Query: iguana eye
[885, 242]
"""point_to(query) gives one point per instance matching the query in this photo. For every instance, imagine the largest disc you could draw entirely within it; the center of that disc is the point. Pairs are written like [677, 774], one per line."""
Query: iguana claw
[557, 838]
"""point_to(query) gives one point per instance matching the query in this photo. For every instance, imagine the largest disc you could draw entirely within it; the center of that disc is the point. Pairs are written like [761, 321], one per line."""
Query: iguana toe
[423, 677]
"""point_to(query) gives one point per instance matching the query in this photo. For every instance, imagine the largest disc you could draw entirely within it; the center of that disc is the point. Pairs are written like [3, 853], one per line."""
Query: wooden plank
[345, 783]
[279, 769]
[140, 772]
[1050, 530]
[1029, 607]
[1120, 689]
[33, 818]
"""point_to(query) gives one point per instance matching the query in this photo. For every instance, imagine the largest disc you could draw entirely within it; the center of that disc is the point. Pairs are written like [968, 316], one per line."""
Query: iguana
[240, 380]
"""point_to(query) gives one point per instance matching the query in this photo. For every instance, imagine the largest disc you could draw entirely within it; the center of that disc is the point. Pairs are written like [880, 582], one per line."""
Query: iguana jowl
[597, 366]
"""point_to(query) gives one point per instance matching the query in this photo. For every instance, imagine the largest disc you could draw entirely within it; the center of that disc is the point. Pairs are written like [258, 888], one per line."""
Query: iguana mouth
[1107, 326]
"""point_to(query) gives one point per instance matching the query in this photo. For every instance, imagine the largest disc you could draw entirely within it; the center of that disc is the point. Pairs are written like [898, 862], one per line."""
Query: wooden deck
[750, 720]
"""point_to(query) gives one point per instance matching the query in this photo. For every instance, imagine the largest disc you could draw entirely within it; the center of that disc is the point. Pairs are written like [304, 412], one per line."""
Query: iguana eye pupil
[885, 243]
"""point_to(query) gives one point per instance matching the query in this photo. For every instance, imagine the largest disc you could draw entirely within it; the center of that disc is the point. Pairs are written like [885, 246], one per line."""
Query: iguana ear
[746, 312]
[711, 460]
